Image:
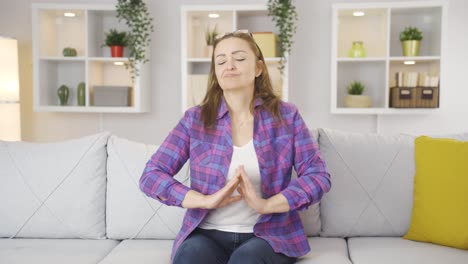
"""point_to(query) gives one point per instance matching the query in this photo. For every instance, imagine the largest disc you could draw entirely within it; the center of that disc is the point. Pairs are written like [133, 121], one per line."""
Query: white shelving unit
[196, 64]
[379, 30]
[93, 65]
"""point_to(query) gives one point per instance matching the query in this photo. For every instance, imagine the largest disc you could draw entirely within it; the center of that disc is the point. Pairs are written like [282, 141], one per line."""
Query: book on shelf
[416, 79]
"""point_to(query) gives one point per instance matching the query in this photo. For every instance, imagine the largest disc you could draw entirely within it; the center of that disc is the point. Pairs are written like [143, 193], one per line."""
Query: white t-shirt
[237, 217]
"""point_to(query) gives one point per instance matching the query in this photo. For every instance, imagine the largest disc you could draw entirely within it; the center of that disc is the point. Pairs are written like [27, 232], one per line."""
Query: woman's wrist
[276, 204]
[194, 199]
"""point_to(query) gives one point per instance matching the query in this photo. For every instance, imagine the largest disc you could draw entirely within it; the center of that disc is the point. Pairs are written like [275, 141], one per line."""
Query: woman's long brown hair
[263, 88]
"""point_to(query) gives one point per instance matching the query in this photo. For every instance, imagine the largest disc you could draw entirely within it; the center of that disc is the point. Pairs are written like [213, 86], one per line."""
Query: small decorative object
[283, 13]
[69, 52]
[355, 97]
[410, 41]
[357, 50]
[116, 41]
[210, 37]
[138, 19]
[266, 41]
[119, 96]
[63, 93]
[80, 92]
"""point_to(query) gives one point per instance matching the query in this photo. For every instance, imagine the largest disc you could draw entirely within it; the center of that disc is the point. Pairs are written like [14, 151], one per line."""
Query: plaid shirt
[279, 147]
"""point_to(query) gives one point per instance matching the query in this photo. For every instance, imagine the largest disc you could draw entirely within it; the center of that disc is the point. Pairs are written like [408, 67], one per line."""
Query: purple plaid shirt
[279, 147]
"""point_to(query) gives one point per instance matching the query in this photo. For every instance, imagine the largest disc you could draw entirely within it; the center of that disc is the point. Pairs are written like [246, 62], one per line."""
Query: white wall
[309, 77]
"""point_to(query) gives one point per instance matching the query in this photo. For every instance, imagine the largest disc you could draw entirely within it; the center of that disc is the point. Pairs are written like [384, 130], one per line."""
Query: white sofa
[79, 201]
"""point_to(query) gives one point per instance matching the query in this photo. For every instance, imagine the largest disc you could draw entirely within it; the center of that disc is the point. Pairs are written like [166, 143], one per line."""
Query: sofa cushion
[372, 183]
[73, 251]
[129, 212]
[324, 250]
[440, 210]
[140, 252]
[54, 190]
[391, 250]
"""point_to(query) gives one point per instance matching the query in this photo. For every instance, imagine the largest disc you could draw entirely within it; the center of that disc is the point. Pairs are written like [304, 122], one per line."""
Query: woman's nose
[230, 64]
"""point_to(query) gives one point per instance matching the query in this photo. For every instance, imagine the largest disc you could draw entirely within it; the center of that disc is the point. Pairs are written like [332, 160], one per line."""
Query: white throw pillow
[130, 213]
[53, 190]
[372, 179]
[372, 183]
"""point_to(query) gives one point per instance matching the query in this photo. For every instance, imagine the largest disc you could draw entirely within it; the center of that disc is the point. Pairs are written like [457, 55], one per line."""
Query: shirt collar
[223, 109]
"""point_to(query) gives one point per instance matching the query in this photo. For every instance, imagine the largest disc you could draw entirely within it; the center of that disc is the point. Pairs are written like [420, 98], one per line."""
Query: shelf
[402, 111]
[370, 29]
[427, 19]
[208, 60]
[58, 32]
[195, 61]
[418, 58]
[93, 64]
[379, 29]
[361, 59]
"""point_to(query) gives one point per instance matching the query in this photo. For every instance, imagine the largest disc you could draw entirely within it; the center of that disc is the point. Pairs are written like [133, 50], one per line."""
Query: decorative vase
[209, 51]
[357, 50]
[69, 52]
[63, 93]
[117, 51]
[358, 101]
[410, 47]
[81, 94]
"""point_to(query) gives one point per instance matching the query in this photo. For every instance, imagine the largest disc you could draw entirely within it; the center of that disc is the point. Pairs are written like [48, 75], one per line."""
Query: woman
[242, 142]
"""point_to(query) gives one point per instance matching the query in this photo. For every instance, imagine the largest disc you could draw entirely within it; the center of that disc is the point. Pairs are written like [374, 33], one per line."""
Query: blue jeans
[219, 247]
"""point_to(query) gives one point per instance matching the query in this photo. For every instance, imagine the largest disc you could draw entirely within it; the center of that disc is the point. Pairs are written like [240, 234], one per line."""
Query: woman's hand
[224, 196]
[275, 204]
[221, 198]
[246, 189]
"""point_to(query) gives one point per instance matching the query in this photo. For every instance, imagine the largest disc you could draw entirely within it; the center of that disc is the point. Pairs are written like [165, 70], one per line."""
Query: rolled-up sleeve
[313, 180]
[157, 180]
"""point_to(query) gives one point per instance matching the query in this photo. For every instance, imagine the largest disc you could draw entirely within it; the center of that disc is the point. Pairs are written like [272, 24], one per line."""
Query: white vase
[358, 101]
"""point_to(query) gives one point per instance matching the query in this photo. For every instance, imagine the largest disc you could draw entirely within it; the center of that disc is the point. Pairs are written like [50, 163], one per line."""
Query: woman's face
[235, 64]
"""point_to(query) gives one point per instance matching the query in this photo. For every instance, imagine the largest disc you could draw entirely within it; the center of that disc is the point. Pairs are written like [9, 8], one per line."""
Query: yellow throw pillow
[440, 209]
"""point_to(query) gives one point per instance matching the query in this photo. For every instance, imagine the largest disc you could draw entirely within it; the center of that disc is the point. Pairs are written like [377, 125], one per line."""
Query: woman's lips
[230, 75]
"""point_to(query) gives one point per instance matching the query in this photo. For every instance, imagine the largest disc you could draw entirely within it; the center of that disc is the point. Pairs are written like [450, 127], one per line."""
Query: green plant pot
[410, 47]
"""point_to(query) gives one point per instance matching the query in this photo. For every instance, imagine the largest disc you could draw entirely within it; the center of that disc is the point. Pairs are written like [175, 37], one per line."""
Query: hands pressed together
[246, 190]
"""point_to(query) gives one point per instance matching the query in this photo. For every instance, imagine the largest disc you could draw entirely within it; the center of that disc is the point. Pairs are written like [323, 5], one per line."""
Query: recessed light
[69, 14]
[409, 62]
[119, 63]
[358, 13]
[213, 15]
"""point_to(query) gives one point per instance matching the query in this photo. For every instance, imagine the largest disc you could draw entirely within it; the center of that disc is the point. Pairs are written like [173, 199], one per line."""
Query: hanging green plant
[138, 19]
[283, 13]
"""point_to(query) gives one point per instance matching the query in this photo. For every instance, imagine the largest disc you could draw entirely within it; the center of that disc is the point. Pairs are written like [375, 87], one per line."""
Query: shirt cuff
[177, 194]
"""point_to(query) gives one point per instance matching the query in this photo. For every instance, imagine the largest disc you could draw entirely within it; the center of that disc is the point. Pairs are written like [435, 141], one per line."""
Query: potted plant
[210, 37]
[355, 98]
[116, 41]
[137, 17]
[283, 13]
[410, 39]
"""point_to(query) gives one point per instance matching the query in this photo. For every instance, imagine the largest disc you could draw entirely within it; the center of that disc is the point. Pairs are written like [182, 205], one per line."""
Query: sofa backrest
[53, 190]
[130, 214]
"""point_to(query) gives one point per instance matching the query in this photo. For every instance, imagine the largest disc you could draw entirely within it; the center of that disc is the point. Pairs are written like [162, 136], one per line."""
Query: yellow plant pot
[358, 101]
[410, 47]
